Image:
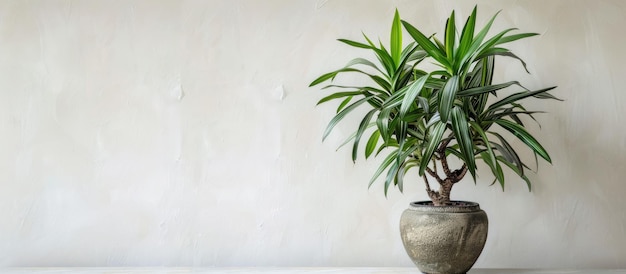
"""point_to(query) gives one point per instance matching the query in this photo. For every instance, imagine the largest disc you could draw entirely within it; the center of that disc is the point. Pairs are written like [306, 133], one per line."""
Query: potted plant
[430, 119]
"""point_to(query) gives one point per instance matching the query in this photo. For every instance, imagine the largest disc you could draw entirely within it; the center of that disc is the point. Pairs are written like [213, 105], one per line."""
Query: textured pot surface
[444, 239]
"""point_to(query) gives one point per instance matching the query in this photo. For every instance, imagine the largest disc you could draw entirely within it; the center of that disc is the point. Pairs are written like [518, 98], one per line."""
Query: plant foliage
[420, 118]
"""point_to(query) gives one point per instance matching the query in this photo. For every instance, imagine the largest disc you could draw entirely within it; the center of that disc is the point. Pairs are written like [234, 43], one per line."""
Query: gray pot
[444, 239]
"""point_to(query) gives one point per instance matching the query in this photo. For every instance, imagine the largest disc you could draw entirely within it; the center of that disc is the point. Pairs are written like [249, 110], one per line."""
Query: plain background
[183, 133]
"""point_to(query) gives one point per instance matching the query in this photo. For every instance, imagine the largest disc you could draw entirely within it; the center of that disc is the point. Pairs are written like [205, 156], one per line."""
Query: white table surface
[285, 270]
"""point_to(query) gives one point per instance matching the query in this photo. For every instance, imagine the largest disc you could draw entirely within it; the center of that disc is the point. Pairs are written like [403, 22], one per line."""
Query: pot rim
[454, 207]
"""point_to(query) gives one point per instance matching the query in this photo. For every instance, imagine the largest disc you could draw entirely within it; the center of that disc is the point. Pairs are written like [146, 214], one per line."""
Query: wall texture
[180, 133]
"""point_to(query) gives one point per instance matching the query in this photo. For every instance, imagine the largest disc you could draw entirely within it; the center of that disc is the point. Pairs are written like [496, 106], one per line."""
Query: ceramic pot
[444, 239]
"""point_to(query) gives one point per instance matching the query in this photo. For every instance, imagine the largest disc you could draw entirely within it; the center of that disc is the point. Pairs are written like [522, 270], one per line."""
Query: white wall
[172, 133]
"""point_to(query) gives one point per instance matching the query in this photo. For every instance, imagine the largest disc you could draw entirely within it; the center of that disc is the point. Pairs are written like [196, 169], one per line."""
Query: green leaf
[514, 37]
[509, 152]
[404, 72]
[331, 75]
[426, 44]
[409, 98]
[496, 169]
[396, 39]
[492, 41]
[516, 170]
[364, 125]
[434, 119]
[368, 40]
[383, 123]
[435, 136]
[408, 50]
[348, 140]
[450, 37]
[484, 138]
[462, 134]
[333, 122]
[466, 59]
[493, 163]
[488, 64]
[371, 143]
[338, 95]
[392, 174]
[416, 133]
[424, 103]
[484, 89]
[485, 71]
[453, 151]
[402, 172]
[516, 97]
[447, 97]
[386, 59]
[356, 44]
[417, 55]
[546, 95]
[363, 61]
[525, 137]
[382, 82]
[502, 52]
[344, 103]
[386, 162]
[467, 35]
[323, 78]
[382, 55]
[512, 114]
[440, 46]
[368, 89]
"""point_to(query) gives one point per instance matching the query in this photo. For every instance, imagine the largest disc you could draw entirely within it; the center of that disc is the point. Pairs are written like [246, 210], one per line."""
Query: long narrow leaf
[344, 103]
[386, 162]
[476, 42]
[450, 37]
[484, 89]
[435, 136]
[516, 97]
[371, 143]
[365, 123]
[333, 122]
[466, 35]
[331, 75]
[396, 39]
[426, 44]
[508, 152]
[338, 95]
[493, 40]
[383, 123]
[392, 174]
[518, 171]
[447, 97]
[363, 61]
[514, 37]
[463, 137]
[525, 137]
[385, 59]
[356, 44]
[414, 89]
[502, 52]
[495, 167]
[401, 136]
[493, 163]
[402, 172]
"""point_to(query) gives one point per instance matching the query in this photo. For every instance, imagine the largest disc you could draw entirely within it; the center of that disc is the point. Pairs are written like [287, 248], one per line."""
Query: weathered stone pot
[444, 239]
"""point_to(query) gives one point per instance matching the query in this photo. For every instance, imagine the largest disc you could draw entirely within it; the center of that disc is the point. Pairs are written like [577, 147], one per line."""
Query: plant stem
[442, 196]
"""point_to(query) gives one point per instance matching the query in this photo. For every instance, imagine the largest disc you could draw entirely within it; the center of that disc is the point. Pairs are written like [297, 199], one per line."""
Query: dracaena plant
[421, 119]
